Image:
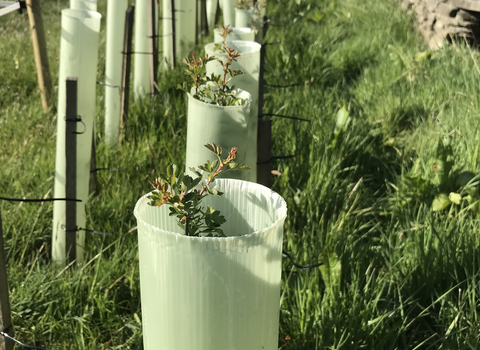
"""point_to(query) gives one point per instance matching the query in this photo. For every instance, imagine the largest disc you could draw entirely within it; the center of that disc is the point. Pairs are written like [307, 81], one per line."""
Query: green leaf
[455, 198]
[440, 202]
[331, 269]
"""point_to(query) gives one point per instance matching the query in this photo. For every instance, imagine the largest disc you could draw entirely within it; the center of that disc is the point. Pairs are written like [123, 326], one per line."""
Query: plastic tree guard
[185, 29]
[78, 58]
[113, 68]
[249, 61]
[229, 13]
[141, 62]
[90, 5]
[225, 126]
[244, 34]
[211, 12]
[247, 18]
[209, 293]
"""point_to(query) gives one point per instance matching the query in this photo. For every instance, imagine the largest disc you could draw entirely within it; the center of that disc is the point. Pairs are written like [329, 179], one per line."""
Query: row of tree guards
[241, 273]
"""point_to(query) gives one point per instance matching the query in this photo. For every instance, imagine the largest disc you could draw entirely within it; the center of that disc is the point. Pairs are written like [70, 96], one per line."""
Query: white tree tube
[141, 63]
[249, 18]
[78, 58]
[224, 291]
[211, 13]
[90, 5]
[229, 126]
[244, 34]
[185, 29]
[113, 68]
[229, 13]
[249, 62]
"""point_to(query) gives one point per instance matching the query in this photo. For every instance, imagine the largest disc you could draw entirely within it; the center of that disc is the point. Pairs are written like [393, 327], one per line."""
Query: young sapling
[213, 89]
[184, 197]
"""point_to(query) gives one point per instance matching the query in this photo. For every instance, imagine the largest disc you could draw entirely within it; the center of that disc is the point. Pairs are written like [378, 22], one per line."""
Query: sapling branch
[221, 94]
[184, 196]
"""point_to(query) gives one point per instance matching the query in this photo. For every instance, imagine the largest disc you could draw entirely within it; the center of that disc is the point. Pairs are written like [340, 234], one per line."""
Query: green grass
[399, 275]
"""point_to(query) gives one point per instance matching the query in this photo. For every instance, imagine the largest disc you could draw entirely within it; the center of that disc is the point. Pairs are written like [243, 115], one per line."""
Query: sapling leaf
[440, 202]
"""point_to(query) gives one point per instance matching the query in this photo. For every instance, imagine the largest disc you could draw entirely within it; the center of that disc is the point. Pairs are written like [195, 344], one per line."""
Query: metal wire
[284, 116]
[20, 343]
[88, 230]
[303, 267]
[39, 200]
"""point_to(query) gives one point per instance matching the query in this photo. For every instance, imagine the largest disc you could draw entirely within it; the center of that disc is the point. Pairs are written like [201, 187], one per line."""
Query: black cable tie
[112, 169]
[20, 343]
[107, 85]
[282, 86]
[40, 200]
[284, 116]
[76, 120]
[304, 267]
[87, 230]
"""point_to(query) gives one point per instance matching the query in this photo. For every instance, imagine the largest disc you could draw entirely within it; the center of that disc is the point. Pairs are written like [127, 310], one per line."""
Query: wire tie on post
[112, 169]
[76, 120]
[282, 86]
[107, 85]
[138, 53]
[159, 36]
[277, 157]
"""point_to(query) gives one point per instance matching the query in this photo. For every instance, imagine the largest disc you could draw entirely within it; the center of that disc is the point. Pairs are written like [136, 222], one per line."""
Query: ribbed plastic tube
[245, 18]
[211, 12]
[185, 29]
[208, 293]
[230, 126]
[244, 34]
[78, 58]
[113, 68]
[90, 5]
[141, 62]
[229, 13]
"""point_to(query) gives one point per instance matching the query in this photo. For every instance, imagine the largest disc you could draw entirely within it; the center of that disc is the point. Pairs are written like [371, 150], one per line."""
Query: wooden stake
[174, 37]
[5, 314]
[71, 171]
[127, 62]
[40, 51]
[153, 44]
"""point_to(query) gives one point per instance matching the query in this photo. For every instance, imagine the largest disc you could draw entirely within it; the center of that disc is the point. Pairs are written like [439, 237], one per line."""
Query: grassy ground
[399, 275]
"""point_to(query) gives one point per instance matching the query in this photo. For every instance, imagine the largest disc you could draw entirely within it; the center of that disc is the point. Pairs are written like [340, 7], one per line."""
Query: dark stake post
[92, 186]
[127, 62]
[71, 171]
[264, 155]
[5, 315]
[264, 136]
[153, 44]
[174, 36]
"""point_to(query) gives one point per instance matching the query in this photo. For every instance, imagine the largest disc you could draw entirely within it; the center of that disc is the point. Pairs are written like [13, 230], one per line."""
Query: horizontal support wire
[139, 53]
[303, 267]
[20, 343]
[284, 116]
[277, 157]
[159, 36]
[39, 200]
[88, 230]
[282, 86]
[111, 169]
[170, 18]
